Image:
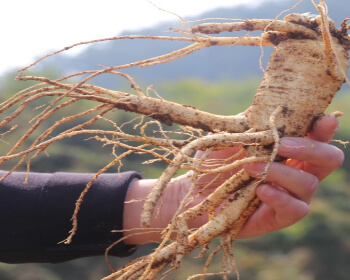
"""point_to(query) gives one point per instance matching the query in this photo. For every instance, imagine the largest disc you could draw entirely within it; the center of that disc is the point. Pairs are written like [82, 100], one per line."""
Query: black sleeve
[36, 216]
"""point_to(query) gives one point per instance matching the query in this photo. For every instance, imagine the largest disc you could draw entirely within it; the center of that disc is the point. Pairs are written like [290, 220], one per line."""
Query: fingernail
[289, 143]
[267, 191]
[288, 147]
[255, 169]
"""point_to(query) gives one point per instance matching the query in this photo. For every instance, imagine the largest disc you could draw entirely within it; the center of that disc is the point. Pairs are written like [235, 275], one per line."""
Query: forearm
[35, 217]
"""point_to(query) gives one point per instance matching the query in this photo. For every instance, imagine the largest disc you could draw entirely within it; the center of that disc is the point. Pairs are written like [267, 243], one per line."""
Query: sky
[30, 29]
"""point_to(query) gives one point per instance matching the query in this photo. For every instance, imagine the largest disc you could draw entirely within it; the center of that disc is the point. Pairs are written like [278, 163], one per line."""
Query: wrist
[163, 213]
[133, 204]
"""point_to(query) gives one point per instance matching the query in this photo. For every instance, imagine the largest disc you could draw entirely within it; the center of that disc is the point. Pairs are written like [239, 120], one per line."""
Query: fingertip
[288, 209]
[325, 128]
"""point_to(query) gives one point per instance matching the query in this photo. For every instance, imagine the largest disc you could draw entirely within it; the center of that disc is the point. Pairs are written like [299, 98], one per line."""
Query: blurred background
[221, 80]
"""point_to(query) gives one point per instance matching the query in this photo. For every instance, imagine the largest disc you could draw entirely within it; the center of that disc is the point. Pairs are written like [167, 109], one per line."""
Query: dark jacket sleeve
[36, 216]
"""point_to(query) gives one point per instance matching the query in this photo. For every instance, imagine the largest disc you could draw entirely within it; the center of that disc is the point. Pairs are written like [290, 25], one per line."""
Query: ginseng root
[307, 67]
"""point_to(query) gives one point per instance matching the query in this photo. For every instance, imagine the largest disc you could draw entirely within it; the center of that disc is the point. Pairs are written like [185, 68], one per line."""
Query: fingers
[299, 184]
[285, 198]
[324, 129]
[279, 210]
[289, 189]
[288, 209]
[319, 159]
[292, 185]
[285, 210]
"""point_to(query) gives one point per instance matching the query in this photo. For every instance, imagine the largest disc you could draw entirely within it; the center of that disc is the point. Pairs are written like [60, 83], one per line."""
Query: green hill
[210, 64]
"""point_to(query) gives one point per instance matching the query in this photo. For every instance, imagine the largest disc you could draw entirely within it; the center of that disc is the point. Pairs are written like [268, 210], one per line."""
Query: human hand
[285, 197]
[292, 185]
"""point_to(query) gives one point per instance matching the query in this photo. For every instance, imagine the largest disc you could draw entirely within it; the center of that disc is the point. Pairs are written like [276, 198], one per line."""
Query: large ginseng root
[307, 67]
[301, 80]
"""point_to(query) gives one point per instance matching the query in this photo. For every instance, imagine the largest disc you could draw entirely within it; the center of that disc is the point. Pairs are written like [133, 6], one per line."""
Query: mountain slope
[210, 64]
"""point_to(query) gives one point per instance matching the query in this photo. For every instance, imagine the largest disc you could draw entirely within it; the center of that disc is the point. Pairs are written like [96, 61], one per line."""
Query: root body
[288, 82]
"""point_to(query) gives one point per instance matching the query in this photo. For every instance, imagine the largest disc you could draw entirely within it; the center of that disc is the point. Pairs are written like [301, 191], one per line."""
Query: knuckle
[298, 214]
[286, 203]
[271, 225]
[289, 217]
